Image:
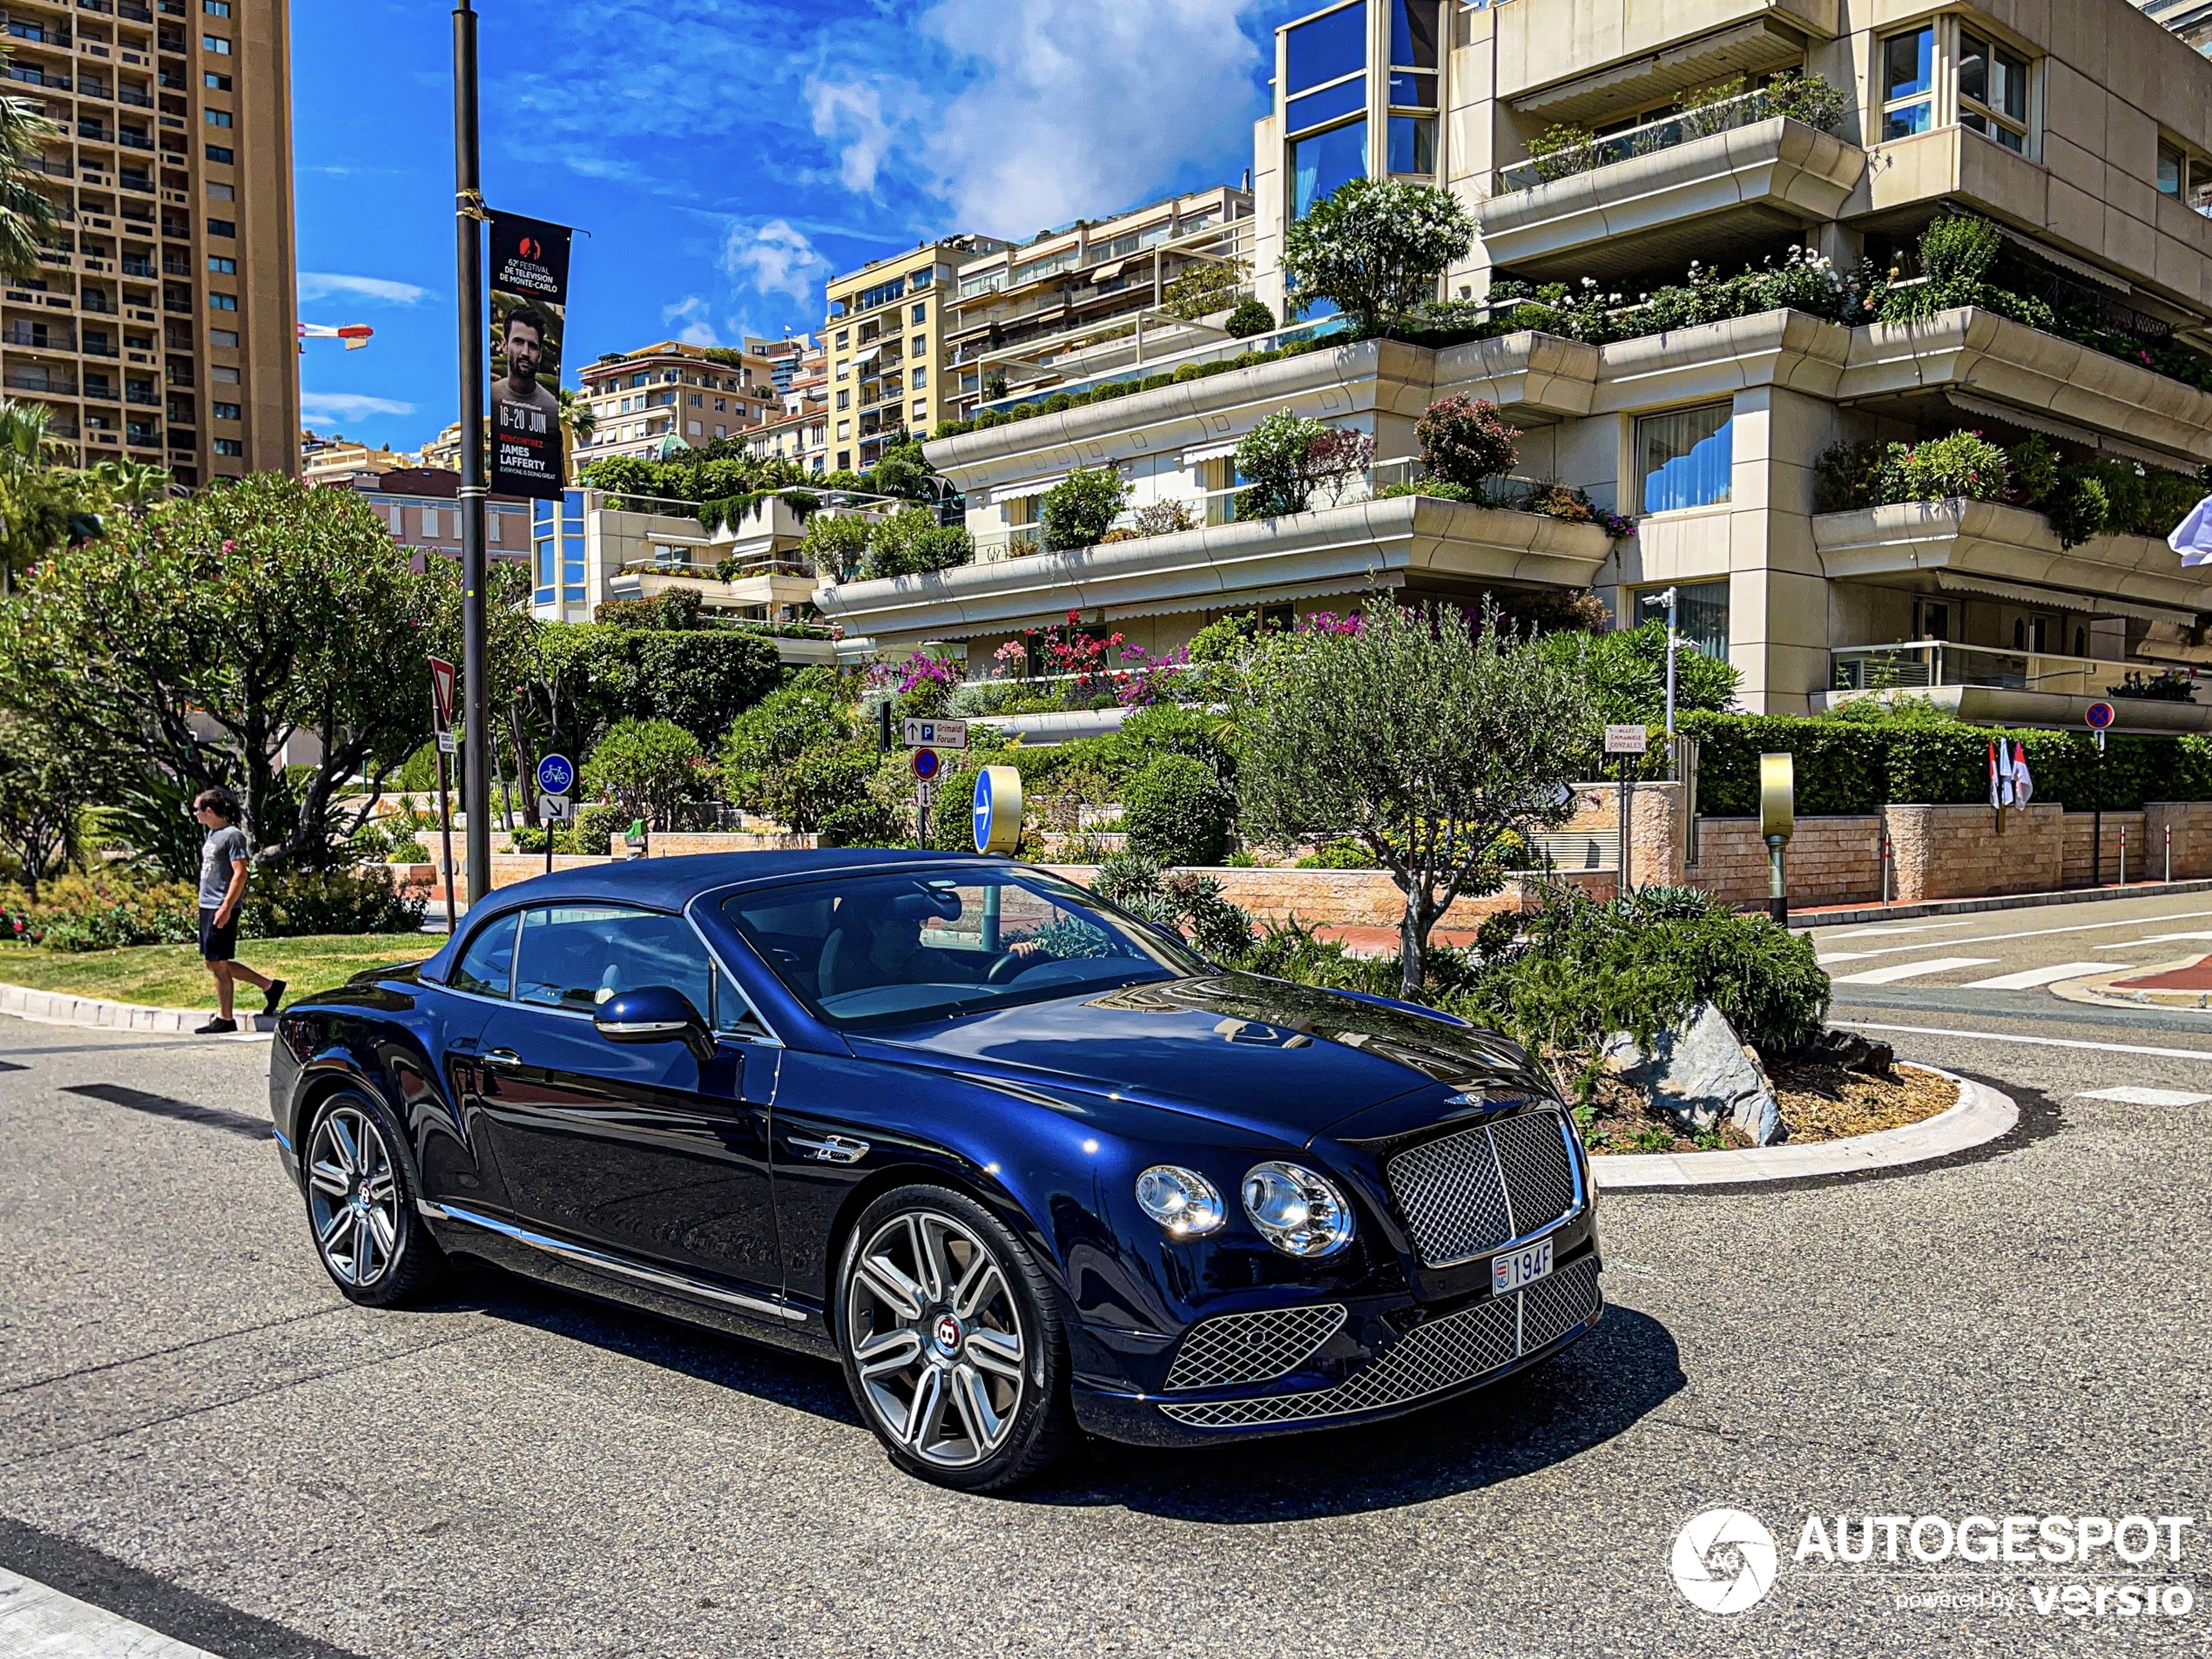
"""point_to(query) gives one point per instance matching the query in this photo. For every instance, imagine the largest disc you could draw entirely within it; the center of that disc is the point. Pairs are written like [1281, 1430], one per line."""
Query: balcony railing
[1666, 133]
[1923, 664]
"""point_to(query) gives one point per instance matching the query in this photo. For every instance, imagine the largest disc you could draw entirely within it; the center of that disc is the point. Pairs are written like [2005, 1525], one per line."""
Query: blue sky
[728, 157]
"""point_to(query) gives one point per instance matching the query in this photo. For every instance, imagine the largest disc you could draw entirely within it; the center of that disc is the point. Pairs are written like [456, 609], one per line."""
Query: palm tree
[27, 213]
[578, 418]
[34, 516]
[137, 485]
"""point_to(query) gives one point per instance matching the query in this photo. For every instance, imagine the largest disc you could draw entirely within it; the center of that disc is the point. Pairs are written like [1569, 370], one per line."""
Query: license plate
[1521, 1267]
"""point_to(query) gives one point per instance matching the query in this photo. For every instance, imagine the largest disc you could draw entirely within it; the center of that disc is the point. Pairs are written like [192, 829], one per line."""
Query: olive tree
[1374, 247]
[1424, 739]
[1081, 506]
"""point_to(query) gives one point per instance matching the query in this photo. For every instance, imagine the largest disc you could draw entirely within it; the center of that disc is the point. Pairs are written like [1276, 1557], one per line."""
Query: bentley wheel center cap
[947, 1333]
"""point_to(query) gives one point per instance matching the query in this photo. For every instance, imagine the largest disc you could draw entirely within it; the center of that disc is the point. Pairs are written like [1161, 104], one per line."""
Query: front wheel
[952, 1341]
[372, 1245]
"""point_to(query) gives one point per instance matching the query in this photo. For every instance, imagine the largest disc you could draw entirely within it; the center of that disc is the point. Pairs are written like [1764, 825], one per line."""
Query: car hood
[1282, 1059]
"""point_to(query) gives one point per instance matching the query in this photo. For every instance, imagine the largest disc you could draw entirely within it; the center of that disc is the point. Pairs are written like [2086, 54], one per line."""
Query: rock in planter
[1703, 1075]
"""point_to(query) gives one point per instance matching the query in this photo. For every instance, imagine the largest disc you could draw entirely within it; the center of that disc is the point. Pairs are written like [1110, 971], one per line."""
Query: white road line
[1846, 956]
[1894, 928]
[1897, 971]
[2132, 1095]
[36, 1619]
[2036, 932]
[2155, 939]
[2204, 1054]
[2030, 978]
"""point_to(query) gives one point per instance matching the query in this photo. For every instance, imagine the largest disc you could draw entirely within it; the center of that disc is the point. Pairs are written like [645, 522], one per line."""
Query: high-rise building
[2190, 19]
[644, 401]
[887, 354]
[162, 325]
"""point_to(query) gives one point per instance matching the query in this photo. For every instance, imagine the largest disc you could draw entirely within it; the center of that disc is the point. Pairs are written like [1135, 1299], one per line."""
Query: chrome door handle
[503, 1059]
[831, 1149]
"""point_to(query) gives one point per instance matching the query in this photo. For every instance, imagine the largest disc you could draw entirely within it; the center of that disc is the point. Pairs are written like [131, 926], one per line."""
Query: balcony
[131, 140]
[1672, 195]
[1978, 682]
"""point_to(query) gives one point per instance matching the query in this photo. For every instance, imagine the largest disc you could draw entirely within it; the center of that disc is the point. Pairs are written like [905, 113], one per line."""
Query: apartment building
[887, 354]
[422, 505]
[2084, 132]
[1081, 299]
[642, 400]
[337, 460]
[2190, 19]
[798, 365]
[161, 327]
[801, 439]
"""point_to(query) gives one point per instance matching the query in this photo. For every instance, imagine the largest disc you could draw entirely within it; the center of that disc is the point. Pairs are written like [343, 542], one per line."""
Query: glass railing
[1804, 101]
[1168, 362]
[1922, 664]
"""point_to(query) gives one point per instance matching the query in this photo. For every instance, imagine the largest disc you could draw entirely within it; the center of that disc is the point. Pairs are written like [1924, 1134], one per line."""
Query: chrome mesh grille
[1462, 1195]
[1253, 1347]
[1428, 1359]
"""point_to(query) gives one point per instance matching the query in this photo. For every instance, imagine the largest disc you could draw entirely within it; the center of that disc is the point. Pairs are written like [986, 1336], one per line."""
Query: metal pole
[1671, 642]
[445, 837]
[1624, 788]
[1885, 869]
[2124, 855]
[2168, 833]
[475, 775]
[1777, 893]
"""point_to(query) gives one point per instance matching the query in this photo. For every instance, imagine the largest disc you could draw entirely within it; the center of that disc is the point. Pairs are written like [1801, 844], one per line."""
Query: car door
[640, 1150]
[456, 1163]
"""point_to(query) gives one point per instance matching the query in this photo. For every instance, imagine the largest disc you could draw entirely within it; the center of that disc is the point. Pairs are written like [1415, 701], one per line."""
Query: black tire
[965, 1344]
[367, 1234]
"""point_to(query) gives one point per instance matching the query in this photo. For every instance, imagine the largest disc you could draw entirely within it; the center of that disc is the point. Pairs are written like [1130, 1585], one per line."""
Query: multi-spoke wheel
[359, 1207]
[951, 1345]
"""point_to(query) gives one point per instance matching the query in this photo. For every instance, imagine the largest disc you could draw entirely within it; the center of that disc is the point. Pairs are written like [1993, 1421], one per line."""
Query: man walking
[222, 890]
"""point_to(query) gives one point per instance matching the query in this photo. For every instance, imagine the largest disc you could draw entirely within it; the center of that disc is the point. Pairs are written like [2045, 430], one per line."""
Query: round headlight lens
[1181, 1200]
[1300, 1213]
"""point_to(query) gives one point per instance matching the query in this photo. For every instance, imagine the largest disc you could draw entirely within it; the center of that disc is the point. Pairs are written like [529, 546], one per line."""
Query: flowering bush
[1272, 459]
[1166, 518]
[1375, 247]
[1463, 443]
[1334, 457]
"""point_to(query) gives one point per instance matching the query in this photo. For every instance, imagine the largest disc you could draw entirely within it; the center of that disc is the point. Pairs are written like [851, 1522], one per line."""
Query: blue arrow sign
[556, 775]
[983, 810]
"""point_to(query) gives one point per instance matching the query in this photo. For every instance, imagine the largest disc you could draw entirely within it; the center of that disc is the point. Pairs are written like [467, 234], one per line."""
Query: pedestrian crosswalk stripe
[2134, 1095]
[2028, 979]
[1897, 971]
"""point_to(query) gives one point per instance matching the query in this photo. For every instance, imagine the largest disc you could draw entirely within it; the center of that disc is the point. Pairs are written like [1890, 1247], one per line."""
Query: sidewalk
[1841, 916]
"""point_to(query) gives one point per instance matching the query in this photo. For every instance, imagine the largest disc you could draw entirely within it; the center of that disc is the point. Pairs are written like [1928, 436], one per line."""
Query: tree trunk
[1413, 938]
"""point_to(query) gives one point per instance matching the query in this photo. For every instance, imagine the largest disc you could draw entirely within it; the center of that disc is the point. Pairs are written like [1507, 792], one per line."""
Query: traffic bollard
[2124, 855]
[1886, 855]
[2169, 836]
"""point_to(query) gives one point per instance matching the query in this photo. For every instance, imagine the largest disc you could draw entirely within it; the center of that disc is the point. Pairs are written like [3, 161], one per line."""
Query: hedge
[1859, 766]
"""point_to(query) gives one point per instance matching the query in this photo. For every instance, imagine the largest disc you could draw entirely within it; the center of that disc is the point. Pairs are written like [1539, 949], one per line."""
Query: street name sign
[936, 734]
[1626, 739]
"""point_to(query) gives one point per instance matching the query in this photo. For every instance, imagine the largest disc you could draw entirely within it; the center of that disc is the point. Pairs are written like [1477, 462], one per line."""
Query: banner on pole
[529, 301]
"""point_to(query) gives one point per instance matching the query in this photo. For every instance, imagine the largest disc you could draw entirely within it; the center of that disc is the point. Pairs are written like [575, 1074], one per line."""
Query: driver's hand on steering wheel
[1023, 947]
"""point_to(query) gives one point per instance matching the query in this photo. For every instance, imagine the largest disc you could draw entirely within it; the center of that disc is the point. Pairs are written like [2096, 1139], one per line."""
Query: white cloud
[348, 406]
[698, 328]
[850, 113]
[322, 285]
[1075, 108]
[775, 257]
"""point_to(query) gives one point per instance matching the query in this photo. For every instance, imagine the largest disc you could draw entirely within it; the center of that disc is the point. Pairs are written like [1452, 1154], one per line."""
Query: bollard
[2169, 852]
[1886, 855]
[2124, 855]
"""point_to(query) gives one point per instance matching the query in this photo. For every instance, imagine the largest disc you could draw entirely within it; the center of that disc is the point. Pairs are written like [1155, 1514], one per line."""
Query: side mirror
[655, 1014]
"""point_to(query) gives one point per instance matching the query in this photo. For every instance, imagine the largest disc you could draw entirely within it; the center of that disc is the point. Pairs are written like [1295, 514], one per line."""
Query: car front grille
[1253, 1347]
[1462, 1195]
[1428, 1359]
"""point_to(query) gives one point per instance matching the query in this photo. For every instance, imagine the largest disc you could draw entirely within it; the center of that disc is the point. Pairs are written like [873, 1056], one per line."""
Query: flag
[2023, 785]
[2004, 773]
[1996, 778]
[2192, 537]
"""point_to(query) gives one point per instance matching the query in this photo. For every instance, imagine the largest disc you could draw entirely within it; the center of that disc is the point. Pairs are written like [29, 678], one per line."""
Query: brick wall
[2082, 834]
[1830, 860]
[1957, 852]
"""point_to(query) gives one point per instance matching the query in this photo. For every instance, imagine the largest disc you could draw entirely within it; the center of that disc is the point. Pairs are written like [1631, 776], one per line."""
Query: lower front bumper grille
[1428, 1359]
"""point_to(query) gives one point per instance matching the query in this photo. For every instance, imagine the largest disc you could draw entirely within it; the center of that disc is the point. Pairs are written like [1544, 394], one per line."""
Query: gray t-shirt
[223, 848]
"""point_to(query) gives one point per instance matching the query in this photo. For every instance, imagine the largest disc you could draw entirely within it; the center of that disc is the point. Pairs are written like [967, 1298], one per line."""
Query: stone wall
[1958, 852]
[1349, 898]
[2191, 824]
[1657, 834]
[2083, 833]
[1830, 860]
[676, 844]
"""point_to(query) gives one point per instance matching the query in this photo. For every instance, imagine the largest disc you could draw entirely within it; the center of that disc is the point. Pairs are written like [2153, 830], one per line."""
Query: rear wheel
[952, 1341]
[361, 1208]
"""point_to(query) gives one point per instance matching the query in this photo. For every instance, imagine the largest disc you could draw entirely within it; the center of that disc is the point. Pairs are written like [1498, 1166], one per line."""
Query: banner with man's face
[529, 299]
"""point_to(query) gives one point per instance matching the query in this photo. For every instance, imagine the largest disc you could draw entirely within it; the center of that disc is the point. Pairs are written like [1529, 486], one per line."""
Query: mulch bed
[1819, 1102]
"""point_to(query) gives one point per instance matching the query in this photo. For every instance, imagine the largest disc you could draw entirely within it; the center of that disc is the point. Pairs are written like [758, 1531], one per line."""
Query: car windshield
[864, 951]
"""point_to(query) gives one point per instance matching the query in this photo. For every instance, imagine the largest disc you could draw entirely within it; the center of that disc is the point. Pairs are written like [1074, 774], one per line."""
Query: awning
[2095, 604]
[1028, 487]
[1748, 49]
[1215, 451]
[869, 356]
[1107, 272]
[2067, 261]
[2034, 420]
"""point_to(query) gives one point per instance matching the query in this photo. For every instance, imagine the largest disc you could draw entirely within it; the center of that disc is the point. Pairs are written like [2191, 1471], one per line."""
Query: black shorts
[217, 944]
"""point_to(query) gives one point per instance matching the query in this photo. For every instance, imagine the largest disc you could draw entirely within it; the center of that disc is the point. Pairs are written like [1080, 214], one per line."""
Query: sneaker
[275, 995]
[217, 1028]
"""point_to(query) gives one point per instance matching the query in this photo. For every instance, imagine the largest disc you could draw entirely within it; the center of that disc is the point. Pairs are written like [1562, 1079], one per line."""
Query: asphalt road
[197, 1433]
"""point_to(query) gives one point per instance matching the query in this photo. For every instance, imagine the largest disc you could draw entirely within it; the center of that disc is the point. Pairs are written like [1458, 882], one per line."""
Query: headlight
[1300, 1213]
[1181, 1200]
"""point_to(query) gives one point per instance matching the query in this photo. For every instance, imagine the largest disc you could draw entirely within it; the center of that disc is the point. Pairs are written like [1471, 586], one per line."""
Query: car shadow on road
[1593, 1391]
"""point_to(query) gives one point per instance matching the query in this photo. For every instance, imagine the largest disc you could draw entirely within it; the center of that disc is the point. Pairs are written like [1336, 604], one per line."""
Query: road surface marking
[2036, 932]
[1897, 971]
[2039, 1042]
[2030, 978]
[1846, 956]
[1895, 928]
[2132, 1095]
[2155, 939]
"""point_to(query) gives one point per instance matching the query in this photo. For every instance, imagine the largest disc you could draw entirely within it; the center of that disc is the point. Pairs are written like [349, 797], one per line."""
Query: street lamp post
[469, 212]
[1669, 600]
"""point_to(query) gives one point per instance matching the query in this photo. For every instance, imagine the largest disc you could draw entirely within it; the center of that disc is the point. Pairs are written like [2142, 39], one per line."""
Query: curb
[2098, 989]
[1858, 915]
[64, 1008]
[1981, 1116]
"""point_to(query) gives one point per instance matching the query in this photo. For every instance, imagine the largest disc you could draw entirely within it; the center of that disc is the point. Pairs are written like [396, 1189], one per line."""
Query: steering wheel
[1011, 963]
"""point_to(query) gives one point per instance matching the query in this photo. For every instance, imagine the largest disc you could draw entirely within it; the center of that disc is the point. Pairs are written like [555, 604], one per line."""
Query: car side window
[734, 1015]
[487, 966]
[576, 956]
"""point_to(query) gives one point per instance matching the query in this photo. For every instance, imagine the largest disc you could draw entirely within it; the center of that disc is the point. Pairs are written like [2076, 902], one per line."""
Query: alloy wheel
[353, 1197]
[937, 1339]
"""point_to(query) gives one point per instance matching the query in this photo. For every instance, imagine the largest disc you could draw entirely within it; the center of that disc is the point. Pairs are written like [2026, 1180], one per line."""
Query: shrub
[1463, 443]
[645, 767]
[1375, 247]
[1809, 98]
[1177, 811]
[1562, 150]
[835, 544]
[1203, 288]
[1340, 855]
[1272, 459]
[1081, 506]
[105, 911]
[911, 542]
[2034, 466]
[1251, 317]
[1433, 487]
[1848, 476]
[827, 793]
[284, 904]
[1166, 518]
[1964, 465]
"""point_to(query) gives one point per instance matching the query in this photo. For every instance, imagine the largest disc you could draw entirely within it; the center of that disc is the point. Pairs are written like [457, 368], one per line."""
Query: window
[1701, 617]
[1330, 47]
[216, 44]
[919, 378]
[217, 118]
[487, 967]
[216, 83]
[1346, 97]
[223, 337]
[2173, 170]
[921, 408]
[222, 265]
[1413, 143]
[229, 447]
[224, 227]
[576, 956]
[220, 152]
[844, 457]
[1412, 34]
[1685, 457]
[1408, 90]
[1908, 83]
[844, 398]
[1322, 162]
[844, 338]
[695, 400]
[216, 7]
[1992, 91]
[221, 193]
[223, 374]
[222, 302]
[921, 314]
[918, 347]
[844, 430]
[228, 412]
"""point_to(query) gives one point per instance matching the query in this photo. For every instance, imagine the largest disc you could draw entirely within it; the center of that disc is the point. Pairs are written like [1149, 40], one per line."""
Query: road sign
[926, 793]
[556, 775]
[998, 810]
[555, 809]
[927, 766]
[2100, 715]
[936, 734]
[441, 678]
[1625, 739]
